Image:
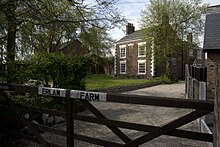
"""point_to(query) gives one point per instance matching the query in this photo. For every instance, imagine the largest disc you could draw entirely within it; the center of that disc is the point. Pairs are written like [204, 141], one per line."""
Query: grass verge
[104, 81]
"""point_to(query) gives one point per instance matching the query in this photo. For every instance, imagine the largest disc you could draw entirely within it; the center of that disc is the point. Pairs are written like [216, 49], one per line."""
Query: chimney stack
[129, 28]
[189, 37]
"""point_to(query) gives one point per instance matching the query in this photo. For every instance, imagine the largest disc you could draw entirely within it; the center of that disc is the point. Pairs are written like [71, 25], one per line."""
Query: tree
[42, 25]
[99, 43]
[166, 22]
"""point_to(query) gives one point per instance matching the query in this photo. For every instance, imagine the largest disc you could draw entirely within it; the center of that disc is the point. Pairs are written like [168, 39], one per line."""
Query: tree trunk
[11, 36]
[11, 41]
[11, 18]
[168, 67]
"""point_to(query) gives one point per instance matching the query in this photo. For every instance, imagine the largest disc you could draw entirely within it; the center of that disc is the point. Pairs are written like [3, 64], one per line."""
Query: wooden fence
[200, 108]
[196, 90]
[195, 83]
[198, 73]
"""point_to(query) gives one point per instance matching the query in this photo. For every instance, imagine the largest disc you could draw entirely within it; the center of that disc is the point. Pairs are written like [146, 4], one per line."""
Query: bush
[167, 79]
[55, 68]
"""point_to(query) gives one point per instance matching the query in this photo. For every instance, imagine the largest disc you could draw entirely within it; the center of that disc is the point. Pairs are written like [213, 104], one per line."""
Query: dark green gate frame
[200, 108]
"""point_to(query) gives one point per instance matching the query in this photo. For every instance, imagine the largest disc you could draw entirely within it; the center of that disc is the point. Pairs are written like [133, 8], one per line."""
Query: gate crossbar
[167, 128]
[145, 128]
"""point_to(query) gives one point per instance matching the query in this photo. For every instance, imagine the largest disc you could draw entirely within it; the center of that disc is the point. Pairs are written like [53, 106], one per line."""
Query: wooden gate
[200, 108]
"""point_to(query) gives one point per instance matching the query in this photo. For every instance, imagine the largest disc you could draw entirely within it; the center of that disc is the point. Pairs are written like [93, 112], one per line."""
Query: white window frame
[122, 47]
[139, 45]
[174, 61]
[141, 62]
[122, 62]
[199, 54]
[191, 52]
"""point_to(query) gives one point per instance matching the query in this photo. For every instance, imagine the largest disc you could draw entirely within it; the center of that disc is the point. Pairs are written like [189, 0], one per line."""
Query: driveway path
[144, 115]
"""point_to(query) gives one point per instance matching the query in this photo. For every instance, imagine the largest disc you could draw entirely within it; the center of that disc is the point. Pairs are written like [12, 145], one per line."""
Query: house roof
[73, 48]
[212, 30]
[133, 36]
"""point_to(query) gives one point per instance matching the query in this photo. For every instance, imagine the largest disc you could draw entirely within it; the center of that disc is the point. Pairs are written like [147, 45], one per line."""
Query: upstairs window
[174, 61]
[191, 52]
[122, 52]
[141, 49]
[199, 54]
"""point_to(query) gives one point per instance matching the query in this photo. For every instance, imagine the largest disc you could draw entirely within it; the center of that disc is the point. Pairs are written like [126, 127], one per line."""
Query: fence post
[202, 90]
[192, 89]
[69, 120]
[187, 82]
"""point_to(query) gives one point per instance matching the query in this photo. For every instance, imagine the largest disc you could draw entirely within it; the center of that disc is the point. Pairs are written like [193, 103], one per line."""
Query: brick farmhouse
[131, 59]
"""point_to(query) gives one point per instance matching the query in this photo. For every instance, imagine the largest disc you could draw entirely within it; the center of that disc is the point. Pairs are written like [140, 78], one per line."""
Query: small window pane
[191, 52]
[141, 50]
[122, 53]
[199, 54]
[141, 68]
[174, 61]
[122, 67]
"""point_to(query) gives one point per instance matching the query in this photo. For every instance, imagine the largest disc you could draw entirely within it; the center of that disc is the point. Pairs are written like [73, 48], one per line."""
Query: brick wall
[212, 62]
[177, 69]
[132, 64]
[131, 60]
[217, 111]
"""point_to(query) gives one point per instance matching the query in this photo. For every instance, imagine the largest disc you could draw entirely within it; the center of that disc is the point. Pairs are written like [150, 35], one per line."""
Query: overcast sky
[131, 10]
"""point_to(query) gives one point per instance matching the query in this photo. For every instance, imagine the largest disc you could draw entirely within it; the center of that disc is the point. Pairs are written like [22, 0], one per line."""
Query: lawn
[104, 81]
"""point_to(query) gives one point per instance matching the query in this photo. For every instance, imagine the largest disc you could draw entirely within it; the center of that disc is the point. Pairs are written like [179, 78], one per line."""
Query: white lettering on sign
[90, 96]
[52, 91]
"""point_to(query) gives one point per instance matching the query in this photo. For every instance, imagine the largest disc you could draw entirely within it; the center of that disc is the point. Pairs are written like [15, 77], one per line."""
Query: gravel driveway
[149, 115]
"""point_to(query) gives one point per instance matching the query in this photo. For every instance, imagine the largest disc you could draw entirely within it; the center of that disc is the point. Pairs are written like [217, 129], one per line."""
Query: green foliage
[99, 43]
[33, 26]
[44, 25]
[167, 79]
[65, 72]
[167, 22]
[32, 99]
[56, 68]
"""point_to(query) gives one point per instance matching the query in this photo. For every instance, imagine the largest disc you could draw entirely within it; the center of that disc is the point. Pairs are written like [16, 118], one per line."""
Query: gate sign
[90, 96]
[52, 91]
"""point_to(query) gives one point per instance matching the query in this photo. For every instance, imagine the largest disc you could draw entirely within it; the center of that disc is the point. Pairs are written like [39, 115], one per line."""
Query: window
[141, 49]
[173, 61]
[199, 54]
[123, 52]
[141, 66]
[191, 52]
[122, 67]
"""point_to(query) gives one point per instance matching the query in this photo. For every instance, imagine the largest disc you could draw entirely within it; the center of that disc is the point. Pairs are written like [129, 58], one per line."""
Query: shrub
[62, 71]
[167, 79]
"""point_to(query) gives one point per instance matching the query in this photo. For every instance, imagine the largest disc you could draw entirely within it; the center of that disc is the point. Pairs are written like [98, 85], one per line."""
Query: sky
[131, 10]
